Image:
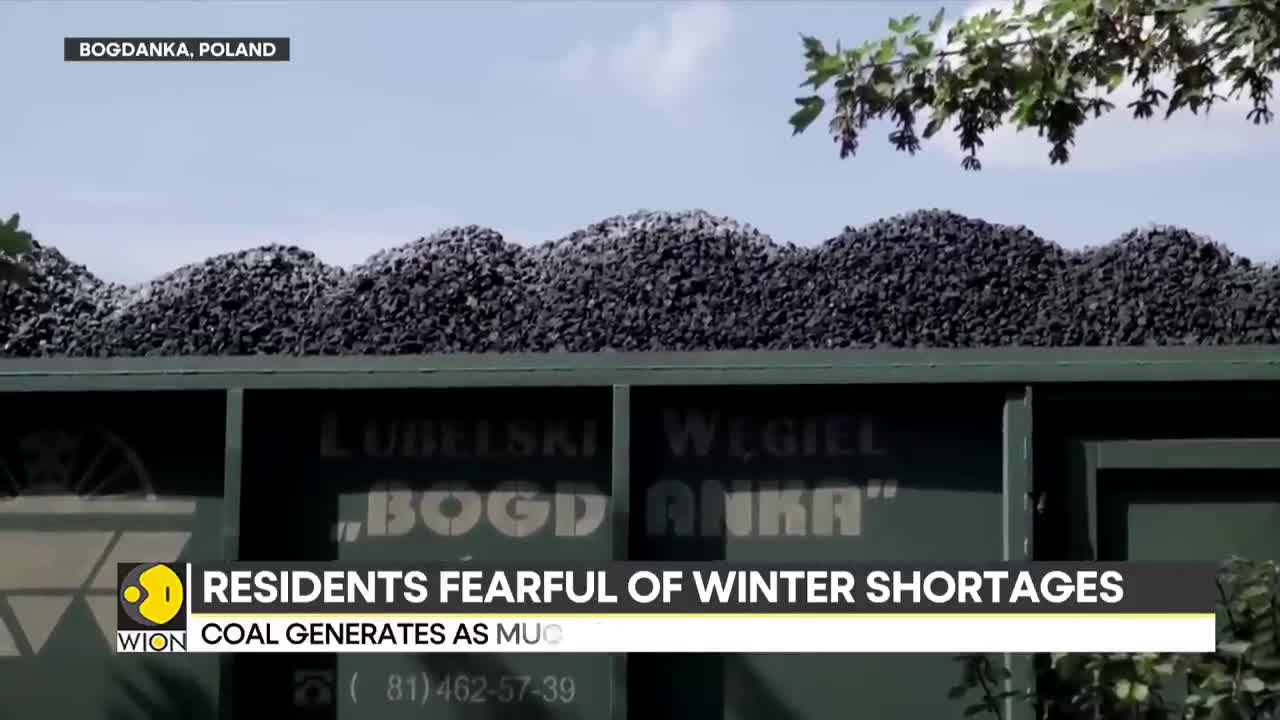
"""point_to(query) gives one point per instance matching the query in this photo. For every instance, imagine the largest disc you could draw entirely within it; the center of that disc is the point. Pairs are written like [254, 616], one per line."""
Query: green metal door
[1204, 500]
[828, 474]
[1181, 500]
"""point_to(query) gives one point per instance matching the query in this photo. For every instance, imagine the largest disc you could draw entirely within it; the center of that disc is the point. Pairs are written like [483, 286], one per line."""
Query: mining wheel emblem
[68, 499]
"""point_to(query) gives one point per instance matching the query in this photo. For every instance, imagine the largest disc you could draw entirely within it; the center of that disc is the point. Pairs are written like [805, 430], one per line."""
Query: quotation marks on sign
[795, 507]
[313, 688]
[886, 489]
[346, 532]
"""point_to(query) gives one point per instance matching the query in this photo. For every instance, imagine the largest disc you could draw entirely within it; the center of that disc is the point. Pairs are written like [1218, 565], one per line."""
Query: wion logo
[151, 617]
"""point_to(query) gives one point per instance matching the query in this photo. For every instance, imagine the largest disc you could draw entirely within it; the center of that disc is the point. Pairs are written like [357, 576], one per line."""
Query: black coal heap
[663, 281]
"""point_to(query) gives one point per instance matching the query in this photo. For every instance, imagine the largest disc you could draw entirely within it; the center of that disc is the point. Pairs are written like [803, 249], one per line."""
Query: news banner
[667, 608]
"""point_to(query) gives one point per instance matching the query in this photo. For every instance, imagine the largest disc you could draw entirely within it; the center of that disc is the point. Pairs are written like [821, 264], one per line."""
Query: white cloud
[1117, 140]
[575, 67]
[657, 63]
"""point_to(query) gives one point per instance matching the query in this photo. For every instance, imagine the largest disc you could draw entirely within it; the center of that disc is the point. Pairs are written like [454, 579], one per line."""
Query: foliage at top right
[1048, 68]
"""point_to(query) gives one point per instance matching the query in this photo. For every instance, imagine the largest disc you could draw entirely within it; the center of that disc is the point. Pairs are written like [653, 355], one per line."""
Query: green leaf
[904, 25]
[1059, 9]
[810, 108]
[1253, 685]
[1254, 592]
[936, 23]
[924, 47]
[813, 46]
[1197, 13]
[1141, 692]
[14, 242]
[1115, 77]
[1234, 648]
[12, 272]
[1123, 689]
[823, 69]
[888, 48]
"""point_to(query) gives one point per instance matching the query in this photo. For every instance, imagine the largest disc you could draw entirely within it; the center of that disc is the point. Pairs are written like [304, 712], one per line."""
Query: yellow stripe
[705, 616]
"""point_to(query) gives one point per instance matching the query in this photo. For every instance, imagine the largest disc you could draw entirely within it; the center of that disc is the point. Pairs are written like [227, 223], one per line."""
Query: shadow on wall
[752, 698]
[165, 693]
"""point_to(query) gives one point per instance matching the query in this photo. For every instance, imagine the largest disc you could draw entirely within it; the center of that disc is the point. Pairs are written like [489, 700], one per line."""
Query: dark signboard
[812, 474]
[87, 481]
[512, 476]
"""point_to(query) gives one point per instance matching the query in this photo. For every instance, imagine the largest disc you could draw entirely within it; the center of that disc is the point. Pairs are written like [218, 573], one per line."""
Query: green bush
[14, 245]
[1241, 681]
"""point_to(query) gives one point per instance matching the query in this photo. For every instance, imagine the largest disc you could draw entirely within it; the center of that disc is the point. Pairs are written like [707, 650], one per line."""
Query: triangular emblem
[8, 646]
[38, 616]
[103, 609]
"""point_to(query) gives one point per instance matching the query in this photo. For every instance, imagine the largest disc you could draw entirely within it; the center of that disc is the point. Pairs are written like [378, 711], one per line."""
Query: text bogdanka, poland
[178, 49]
[680, 506]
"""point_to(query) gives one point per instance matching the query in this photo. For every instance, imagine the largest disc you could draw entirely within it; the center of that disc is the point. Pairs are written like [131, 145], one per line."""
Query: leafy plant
[1048, 69]
[14, 245]
[1241, 681]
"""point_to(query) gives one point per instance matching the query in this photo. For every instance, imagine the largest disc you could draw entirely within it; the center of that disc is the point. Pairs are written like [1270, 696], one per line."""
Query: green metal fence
[890, 456]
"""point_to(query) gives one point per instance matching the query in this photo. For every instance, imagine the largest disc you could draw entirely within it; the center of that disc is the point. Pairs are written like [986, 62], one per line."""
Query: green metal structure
[844, 456]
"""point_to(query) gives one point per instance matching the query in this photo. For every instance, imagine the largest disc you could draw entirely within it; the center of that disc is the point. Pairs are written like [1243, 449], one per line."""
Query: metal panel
[87, 481]
[508, 476]
[1192, 425]
[815, 474]
[1150, 499]
[1009, 365]
[233, 446]
[620, 507]
[1232, 453]
[1199, 515]
[1018, 517]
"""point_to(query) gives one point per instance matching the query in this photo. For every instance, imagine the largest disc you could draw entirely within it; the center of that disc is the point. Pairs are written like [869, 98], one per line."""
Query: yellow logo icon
[151, 595]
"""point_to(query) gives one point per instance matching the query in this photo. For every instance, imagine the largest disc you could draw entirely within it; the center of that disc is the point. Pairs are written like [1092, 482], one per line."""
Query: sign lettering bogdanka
[706, 505]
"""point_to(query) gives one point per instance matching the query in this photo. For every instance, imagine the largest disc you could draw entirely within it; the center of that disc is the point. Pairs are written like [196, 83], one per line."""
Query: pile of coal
[663, 281]
[1165, 285]
[55, 311]
[933, 279]
[464, 289]
[249, 302]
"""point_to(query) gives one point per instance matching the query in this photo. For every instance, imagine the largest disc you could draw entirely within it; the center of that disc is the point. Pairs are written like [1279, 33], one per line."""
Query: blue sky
[395, 119]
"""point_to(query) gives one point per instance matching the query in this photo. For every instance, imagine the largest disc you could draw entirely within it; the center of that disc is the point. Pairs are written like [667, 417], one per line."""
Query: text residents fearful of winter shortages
[708, 607]
[705, 590]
